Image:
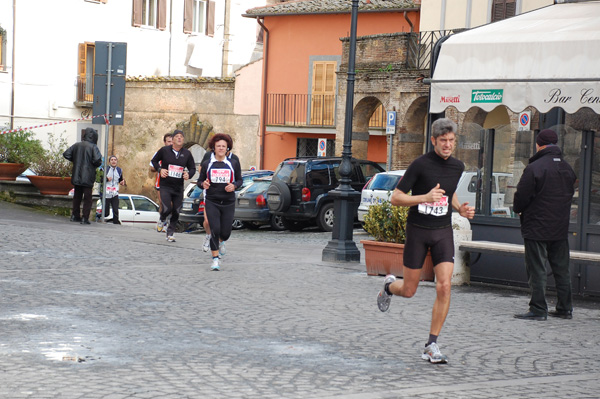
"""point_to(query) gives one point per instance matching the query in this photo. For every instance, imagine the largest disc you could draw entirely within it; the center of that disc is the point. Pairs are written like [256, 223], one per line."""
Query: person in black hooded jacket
[543, 200]
[86, 157]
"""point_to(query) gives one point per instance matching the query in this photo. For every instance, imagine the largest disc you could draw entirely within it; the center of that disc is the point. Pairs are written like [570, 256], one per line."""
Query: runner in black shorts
[432, 178]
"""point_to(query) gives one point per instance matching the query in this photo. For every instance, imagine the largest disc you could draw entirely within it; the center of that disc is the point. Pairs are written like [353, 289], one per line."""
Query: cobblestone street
[106, 311]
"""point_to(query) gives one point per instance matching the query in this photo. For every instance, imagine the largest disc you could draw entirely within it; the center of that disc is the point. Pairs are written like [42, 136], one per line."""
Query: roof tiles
[331, 7]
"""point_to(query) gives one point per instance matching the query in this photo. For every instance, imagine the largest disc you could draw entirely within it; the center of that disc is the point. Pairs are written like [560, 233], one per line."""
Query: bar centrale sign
[487, 96]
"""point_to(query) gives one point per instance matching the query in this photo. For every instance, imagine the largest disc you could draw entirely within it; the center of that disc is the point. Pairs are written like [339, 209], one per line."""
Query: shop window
[199, 17]
[150, 13]
[502, 9]
[85, 72]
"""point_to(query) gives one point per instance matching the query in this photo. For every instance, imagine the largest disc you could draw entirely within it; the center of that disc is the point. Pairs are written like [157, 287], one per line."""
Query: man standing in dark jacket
[86, 157]
[543, 200]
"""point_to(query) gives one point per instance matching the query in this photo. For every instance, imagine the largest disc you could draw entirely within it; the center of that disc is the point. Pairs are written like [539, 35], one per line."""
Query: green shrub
[19, 147]
[386, 222]
[51, 162]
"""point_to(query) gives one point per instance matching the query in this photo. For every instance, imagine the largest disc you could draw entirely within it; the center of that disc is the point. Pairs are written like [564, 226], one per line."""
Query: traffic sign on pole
[391, 122]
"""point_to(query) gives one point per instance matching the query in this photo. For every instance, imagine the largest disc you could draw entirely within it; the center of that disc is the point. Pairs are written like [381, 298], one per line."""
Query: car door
[125, 210]
[144, 211]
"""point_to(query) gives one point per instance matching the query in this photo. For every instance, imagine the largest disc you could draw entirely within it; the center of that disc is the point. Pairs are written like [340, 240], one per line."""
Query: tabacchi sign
[487, 96]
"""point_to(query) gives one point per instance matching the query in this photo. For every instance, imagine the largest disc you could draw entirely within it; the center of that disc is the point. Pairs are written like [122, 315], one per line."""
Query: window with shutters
[2, 49]
[502, 9]
[150, 13]
[322, 102]
[85, 70]
[199, 17]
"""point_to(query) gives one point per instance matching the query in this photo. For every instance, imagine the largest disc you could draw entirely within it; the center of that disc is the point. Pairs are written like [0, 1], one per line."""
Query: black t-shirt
[175, 163]
[424, 174]
[220, 174]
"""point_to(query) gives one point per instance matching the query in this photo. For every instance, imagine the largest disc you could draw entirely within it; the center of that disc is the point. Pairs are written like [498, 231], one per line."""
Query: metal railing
[316, 110]
[420, 47]
[85, 89]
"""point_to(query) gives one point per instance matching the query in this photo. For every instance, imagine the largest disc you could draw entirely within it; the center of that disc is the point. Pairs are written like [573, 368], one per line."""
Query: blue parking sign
[391, 122]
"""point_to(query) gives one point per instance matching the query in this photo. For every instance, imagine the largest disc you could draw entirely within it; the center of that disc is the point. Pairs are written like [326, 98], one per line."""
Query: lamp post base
[342, 247]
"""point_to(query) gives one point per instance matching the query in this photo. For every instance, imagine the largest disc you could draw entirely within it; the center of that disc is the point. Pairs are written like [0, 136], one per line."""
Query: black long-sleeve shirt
[220, 174]
[174, 162]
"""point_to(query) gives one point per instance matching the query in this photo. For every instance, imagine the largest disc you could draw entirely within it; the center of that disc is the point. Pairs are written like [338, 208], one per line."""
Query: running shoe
[384, 299]
[170, 238]
[159, 226]
[222, 250]
[215, 265]
[433, 354]
[206, 245]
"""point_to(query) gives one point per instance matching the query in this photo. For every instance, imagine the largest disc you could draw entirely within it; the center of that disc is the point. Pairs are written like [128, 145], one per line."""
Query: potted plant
[17, 151]
[384, 255]
[53, 171]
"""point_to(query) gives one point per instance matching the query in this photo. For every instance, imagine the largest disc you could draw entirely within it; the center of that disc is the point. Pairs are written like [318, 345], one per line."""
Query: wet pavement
[105, 311]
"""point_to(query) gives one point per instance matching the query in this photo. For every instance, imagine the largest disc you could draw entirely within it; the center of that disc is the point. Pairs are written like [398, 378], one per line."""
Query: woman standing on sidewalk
[220, 176]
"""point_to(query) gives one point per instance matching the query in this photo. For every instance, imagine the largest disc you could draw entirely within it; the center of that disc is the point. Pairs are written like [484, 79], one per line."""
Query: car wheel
[237, 224]
[252, 225]
[277, 223]
[292, 225]
[279, 197]
[325, 218]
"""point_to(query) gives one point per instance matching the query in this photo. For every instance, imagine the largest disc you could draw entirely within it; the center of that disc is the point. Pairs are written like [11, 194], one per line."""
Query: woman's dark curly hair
[219, 137]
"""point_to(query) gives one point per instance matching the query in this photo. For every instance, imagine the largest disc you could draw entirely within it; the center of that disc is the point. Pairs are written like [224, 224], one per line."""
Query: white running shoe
[433, 354]
[170, 238]
[215, 265]
[206, 245]
[222, 250]
[159, 226]
[383, 298]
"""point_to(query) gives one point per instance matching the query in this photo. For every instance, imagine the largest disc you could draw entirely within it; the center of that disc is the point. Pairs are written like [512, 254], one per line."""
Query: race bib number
[439, 208]
[220, 176]
[111, 191]
[176, 171]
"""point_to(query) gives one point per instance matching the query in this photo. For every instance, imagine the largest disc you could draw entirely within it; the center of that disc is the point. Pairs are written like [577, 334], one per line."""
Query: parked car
[23, 176]
[251, 206]
[469, 182]
[377, 190]
[192, 210]
[133, 210]
[300, 186]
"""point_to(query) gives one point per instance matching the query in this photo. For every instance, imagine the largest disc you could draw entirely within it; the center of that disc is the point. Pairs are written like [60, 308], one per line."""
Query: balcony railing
[315, 110]
[420, 47]
[85, 89]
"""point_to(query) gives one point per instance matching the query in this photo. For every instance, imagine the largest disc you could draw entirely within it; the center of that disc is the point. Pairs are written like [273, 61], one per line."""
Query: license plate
[188, 206]
[243, 202]
[272, 197]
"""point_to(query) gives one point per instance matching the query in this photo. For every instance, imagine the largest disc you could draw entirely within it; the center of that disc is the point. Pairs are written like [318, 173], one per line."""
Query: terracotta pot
[50, 185]
[10, 171]
[384, 258]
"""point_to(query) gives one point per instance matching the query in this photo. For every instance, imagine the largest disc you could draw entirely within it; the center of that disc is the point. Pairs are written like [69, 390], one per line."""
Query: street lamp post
[342, 248]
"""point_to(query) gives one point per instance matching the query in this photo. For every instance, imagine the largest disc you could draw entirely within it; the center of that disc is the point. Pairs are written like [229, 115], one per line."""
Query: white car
[134, 210]
[377, 190]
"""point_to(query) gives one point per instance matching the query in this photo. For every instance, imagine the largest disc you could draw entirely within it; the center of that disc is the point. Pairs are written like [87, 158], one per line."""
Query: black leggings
[171, 200]
[220, 219]
[114, 204]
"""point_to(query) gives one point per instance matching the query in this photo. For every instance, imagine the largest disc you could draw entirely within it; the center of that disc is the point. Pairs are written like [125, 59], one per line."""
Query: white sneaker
[215, 265]
[222, 250]
[433, 354]
[159, 226]
[383, 298]
[206, 245]
[170, 238]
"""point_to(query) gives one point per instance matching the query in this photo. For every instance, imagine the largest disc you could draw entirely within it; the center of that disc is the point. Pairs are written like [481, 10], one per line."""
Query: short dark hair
[219, 137]
[167, 135]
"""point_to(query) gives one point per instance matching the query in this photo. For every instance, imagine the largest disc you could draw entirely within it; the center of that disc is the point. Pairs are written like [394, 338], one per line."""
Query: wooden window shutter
[136, 18]
[162, 14]
[188, 17]
[510, 9]
[502, 9]
[81, 58]
[210, 18]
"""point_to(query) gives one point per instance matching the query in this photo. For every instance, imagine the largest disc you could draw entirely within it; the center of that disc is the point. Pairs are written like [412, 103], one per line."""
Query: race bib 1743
[220, 176]
[439, 208]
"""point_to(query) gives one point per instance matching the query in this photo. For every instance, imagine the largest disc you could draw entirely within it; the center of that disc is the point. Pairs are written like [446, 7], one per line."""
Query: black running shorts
[419, 240]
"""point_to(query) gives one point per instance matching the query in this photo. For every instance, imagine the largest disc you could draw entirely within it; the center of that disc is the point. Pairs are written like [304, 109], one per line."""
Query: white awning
[545, 58]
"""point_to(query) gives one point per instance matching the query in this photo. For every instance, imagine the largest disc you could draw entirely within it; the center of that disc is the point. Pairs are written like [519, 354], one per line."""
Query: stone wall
[155, 107]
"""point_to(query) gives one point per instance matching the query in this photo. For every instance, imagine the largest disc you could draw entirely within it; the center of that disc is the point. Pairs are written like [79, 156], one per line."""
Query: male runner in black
[432, 178]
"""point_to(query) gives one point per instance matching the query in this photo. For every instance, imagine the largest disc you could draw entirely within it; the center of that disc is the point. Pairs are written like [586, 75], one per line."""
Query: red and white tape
[56, 123]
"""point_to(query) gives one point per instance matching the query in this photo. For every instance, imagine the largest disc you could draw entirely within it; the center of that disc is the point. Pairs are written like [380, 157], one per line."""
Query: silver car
[377, 190]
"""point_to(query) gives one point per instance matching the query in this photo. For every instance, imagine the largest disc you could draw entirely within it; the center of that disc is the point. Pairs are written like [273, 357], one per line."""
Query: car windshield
[384, 182]
[290, 172]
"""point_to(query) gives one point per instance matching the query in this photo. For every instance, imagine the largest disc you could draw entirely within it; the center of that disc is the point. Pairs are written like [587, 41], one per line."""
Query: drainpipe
[412, 28]
[225, 60]
[263, 104]
[12, 92]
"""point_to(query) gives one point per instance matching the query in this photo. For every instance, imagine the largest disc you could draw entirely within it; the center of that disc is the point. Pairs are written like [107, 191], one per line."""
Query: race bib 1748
[439, 208]
[220, 176]
[176, 171]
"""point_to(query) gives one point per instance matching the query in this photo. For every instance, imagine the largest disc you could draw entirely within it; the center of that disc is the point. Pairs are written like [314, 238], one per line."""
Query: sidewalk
[105, 311]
